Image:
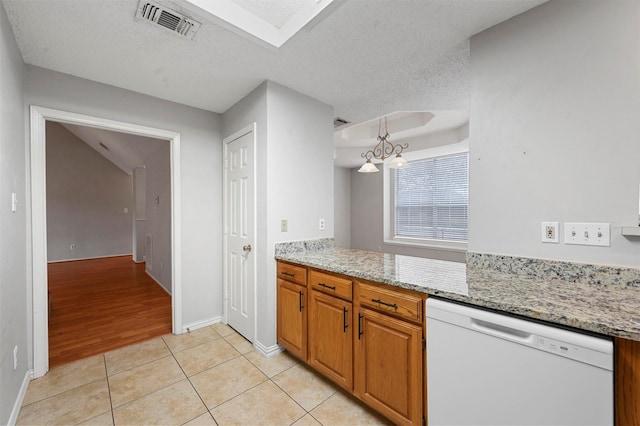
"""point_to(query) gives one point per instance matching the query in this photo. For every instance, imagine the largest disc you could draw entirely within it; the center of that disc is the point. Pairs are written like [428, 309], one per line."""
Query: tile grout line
[113, 416]
[208, 411]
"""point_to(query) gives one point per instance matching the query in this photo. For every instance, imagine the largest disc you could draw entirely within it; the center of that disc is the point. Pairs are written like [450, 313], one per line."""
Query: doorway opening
[38, 118]
[100, 207]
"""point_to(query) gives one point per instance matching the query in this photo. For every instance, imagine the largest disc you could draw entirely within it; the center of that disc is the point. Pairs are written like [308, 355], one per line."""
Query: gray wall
[15, 321]
[291, 129]
[86, 198]
[158, 214]
[201, 177]
[555, 119]
[342, 206]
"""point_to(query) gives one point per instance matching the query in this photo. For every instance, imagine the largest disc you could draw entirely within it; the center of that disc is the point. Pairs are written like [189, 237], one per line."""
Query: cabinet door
[388, 370]
[331, 338]
[292, 318]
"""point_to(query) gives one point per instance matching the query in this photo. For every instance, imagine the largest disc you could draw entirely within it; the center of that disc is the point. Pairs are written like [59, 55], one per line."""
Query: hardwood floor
[99, 305]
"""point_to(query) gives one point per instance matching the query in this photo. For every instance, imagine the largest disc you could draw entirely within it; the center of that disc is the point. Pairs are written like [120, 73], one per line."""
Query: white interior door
[240, 232]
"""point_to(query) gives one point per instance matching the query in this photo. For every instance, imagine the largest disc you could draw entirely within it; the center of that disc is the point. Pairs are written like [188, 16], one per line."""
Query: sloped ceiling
[124, 150]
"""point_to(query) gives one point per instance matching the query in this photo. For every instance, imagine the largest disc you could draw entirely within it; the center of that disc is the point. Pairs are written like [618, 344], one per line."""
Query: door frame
[38, 118]
[251, 128]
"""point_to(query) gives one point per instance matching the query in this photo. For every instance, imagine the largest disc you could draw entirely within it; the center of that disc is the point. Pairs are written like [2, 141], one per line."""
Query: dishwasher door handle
[502, 331]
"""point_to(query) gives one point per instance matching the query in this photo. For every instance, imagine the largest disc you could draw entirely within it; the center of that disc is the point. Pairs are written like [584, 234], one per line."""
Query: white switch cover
[283, 225]
[587, 234]
[126, 210]
[14, 202]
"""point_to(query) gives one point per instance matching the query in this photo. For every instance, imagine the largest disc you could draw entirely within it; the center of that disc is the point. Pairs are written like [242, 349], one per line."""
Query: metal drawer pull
[301, 294]
[344, 321]
[327, 286]
[359, 326]
[288, 274]
[391, 305]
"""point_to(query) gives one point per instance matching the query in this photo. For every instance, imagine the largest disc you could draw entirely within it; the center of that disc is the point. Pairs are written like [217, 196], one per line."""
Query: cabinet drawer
[293, 273]
[399, 304]
[330, 284]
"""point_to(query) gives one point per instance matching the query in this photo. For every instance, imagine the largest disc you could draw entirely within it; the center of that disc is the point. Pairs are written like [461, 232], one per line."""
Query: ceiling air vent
[337, 122]
[167, 18]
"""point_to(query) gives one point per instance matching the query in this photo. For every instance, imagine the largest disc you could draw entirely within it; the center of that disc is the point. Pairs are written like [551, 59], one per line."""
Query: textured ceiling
[366, 58]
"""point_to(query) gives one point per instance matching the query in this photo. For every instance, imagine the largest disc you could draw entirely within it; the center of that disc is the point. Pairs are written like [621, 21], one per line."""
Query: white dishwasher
[485, 368]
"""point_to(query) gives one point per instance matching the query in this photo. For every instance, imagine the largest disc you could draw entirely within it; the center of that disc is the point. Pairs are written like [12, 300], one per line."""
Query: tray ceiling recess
[273, 22]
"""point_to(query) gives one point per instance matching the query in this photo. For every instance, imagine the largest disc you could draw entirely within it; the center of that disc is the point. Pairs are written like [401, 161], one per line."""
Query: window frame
[389, 236]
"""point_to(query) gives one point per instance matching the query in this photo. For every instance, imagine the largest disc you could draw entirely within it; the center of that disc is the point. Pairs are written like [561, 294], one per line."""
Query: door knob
[247, 247]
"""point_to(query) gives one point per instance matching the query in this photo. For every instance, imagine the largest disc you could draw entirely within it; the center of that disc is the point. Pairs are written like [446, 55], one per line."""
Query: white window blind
[431, 198]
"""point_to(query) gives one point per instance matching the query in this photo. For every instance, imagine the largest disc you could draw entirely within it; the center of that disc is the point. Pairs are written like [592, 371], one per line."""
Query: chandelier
[383, 150]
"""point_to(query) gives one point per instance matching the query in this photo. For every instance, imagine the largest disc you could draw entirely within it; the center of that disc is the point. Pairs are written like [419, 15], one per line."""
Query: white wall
[342, 206]
[86, 198]
[158, 214]
[554, 127]
[14, 279]
[295, 179]
[201, 165]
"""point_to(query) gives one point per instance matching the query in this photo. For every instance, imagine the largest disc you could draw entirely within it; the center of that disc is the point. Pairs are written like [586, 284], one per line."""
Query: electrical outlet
[550, 232]
[587, 234]
[321, 224]
[283, 225]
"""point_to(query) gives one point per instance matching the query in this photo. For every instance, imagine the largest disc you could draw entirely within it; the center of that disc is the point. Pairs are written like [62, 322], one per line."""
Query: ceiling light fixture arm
[383, 150]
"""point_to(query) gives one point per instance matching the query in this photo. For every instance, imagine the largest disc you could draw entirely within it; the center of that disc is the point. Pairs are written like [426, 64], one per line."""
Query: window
[428, 202]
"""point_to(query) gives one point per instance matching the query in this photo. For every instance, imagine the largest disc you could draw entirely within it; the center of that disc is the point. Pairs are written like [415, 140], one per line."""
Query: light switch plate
[283, 225]
[587, 234]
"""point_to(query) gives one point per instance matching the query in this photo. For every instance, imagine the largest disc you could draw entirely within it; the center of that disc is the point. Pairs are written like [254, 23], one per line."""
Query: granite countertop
[606, 306]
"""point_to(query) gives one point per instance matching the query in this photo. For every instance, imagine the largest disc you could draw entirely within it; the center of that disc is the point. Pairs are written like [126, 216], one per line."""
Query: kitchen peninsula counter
[609, 305]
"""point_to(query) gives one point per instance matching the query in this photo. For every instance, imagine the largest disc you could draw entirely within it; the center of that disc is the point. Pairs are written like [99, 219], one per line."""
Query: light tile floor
[207, 377]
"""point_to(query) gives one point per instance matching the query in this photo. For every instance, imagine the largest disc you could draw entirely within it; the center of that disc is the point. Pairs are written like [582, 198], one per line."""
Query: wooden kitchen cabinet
[365, 337]
[627, 373]
[292, 309]
[331, 338]
[388, 354]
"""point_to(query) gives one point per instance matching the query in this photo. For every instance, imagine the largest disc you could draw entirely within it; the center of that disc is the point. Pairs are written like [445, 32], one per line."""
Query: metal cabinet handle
[288, 274]
[247, 247]
[301, 295]
[344, 321]
[391, 305]
[360, 332]
[327, 286]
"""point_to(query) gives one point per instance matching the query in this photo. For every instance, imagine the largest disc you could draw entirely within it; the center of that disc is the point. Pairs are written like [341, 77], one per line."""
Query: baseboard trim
[90, 258]
[15, 412]
[157, 281]
[267, 351]
[201, 324]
